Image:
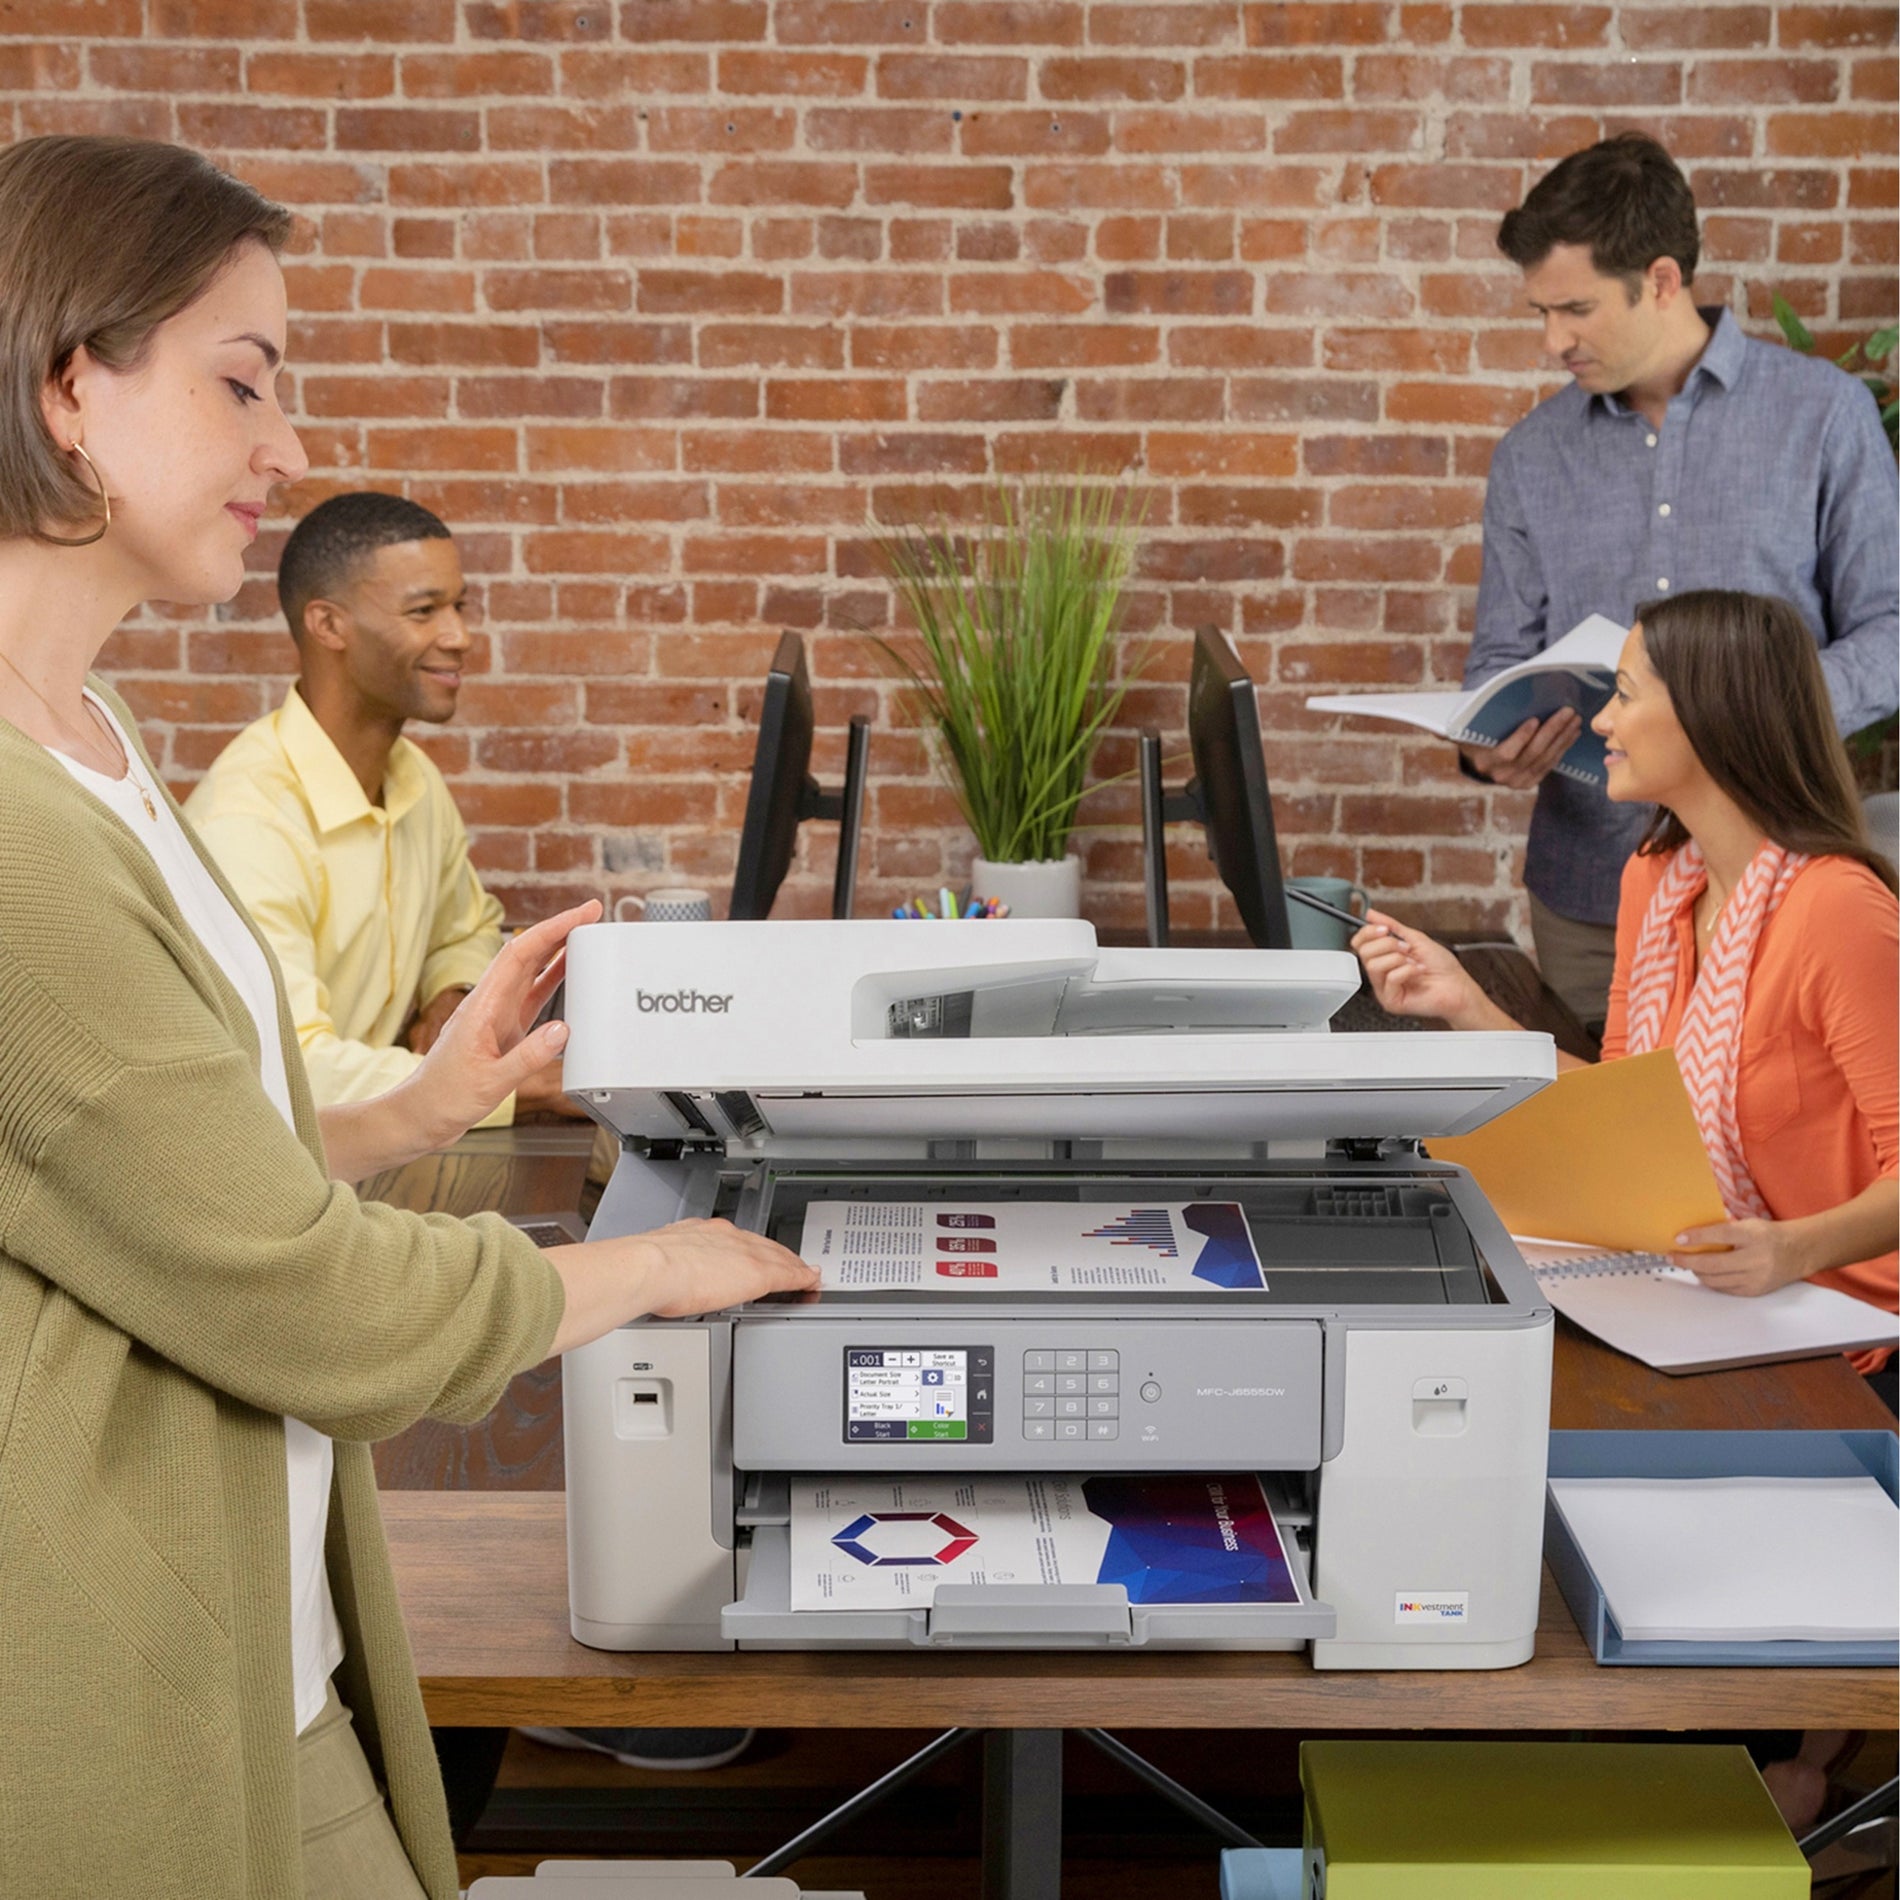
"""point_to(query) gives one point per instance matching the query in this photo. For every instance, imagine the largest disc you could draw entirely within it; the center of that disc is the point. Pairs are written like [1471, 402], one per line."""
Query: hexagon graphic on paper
[913, 1539]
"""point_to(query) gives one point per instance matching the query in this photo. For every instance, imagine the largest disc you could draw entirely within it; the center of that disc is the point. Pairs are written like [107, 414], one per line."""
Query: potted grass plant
[1017, 619]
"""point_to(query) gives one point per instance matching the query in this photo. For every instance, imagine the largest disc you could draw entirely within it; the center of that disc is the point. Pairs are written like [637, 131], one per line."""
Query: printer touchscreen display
[944, 1394]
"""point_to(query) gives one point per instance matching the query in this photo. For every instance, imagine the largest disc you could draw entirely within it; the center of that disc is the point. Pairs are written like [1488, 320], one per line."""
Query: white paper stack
[1724, 1560]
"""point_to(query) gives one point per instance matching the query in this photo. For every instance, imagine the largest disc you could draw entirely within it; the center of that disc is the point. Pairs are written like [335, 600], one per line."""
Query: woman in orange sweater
[1757, 936]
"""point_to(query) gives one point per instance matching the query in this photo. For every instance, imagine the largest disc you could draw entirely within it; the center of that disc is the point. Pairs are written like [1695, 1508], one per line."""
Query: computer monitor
[783, 793]
[1228, 795]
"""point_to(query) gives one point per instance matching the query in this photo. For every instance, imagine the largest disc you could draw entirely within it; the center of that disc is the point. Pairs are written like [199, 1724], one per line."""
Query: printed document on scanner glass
[880, 1543]
[1067, 1246]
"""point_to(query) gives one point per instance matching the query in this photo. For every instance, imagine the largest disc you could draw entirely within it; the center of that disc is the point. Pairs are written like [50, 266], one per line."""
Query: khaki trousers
[351, 1850]
[1577, 961]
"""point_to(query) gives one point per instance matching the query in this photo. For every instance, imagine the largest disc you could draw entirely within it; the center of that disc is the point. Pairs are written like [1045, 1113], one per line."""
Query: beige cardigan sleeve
[144, 1171]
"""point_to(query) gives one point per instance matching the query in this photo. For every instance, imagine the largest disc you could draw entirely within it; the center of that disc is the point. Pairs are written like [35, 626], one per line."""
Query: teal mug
[1311, 931]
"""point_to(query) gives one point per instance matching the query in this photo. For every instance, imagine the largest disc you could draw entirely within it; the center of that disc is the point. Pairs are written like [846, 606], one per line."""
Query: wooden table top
[476, 1524]
[483, 1577]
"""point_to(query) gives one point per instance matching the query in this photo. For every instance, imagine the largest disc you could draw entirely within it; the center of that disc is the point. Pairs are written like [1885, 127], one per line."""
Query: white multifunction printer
[1389, 1384]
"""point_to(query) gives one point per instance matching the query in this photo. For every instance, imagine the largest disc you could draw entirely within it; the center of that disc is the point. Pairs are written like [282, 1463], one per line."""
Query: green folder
[1542, 1821]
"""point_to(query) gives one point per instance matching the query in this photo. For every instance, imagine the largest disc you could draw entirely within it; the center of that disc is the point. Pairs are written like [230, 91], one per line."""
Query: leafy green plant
[1871, 357]
[1014, 662]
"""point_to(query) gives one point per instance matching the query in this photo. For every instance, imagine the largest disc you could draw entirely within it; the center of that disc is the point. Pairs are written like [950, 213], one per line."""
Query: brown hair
[101, 239]
[1624, 198]
[1745, 679]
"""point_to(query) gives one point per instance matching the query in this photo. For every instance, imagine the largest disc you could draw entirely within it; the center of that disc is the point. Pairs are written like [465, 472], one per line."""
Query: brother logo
[680, 1003]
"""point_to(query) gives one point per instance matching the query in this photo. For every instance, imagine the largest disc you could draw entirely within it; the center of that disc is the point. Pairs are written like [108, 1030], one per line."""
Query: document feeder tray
[1389, 1385]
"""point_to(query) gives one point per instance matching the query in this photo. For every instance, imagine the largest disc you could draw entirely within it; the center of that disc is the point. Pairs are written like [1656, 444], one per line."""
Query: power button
[1150, 1391]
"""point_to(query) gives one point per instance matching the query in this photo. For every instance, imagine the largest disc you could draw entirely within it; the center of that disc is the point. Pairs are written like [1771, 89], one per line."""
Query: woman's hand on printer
[1411, 975]
[693, 1266]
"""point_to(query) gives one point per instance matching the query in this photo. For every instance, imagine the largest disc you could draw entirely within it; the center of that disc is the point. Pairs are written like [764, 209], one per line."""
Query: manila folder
[1608, 1156]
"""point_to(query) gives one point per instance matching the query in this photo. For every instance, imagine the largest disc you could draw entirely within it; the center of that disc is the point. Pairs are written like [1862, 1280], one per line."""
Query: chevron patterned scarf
[1709, 1039]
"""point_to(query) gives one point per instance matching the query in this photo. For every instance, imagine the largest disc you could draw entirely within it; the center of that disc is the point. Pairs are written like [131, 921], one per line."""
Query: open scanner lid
[758, 1036]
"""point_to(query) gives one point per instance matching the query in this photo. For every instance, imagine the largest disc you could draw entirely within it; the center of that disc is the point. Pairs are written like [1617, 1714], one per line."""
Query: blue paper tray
[1708, 1455]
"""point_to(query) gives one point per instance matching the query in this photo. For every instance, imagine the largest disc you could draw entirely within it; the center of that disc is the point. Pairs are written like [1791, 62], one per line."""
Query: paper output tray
[1004, 1616]
[1724, 1454]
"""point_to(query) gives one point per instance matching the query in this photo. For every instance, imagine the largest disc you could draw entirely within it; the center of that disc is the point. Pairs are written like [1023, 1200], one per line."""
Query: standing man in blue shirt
[1684, 454]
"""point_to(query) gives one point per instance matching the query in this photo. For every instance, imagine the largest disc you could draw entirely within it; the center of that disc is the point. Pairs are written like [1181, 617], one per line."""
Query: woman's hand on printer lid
[1411, 975]
[693, 1266]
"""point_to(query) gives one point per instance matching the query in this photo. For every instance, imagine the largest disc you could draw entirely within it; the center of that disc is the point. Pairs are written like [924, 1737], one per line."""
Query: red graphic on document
[967, 1269]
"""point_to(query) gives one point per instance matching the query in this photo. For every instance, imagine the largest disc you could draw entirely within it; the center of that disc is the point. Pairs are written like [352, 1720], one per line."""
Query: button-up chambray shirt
[1770, 473]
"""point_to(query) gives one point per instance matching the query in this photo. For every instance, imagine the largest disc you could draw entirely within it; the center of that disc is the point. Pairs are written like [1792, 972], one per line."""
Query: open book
[1644, 1305]
[1576, 671]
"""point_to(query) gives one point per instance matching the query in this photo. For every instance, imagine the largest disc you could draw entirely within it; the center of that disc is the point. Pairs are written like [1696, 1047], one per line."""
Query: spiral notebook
[1576, 672]
[1643, 1305]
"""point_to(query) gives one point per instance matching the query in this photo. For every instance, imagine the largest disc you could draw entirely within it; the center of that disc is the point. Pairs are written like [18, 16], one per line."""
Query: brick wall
[658, 302]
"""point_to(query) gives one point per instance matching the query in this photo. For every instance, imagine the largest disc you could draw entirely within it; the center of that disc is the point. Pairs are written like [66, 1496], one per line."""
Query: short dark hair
[1625, 198]
[101, 240]
[336, 537]
[1744, 677]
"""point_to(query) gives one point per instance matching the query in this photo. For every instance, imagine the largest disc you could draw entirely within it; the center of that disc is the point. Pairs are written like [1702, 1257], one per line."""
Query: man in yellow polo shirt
[338, 834]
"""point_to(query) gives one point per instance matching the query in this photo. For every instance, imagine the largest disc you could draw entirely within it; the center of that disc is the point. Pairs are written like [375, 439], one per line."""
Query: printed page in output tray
[1029, 1246]
[881, 1543]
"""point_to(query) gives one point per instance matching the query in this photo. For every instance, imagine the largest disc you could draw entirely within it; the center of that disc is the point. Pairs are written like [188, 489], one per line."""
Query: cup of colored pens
[950, 910]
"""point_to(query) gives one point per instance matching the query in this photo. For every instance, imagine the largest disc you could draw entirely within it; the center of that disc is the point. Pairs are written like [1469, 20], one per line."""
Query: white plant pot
[1042, 887]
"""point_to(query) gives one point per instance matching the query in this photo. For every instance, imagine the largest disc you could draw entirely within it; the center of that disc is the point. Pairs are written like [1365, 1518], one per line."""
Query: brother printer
[1389, 1383]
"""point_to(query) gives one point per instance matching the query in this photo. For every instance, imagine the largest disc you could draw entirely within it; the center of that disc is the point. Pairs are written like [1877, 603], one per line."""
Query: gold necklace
[72, 732]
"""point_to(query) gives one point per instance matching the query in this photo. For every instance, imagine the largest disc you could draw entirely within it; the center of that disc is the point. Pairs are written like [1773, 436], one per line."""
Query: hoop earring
[105, 503]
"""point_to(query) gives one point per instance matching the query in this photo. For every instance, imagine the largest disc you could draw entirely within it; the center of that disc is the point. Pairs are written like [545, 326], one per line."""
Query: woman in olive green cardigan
[183, 1273]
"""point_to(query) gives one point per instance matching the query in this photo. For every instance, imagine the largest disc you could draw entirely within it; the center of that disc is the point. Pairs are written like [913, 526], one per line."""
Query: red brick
[421, 21]
[1241, 346]
[1207, 293]
[721, 128]
[523, 749]
[402, 129]
[950, 187]
[671, 398]
[1471, 294]
[1345, 129]
[1877, 79]
[1351, 663]
[1430, 79]
[1764, 82]
[620, 342]
[1276, 506]
[1270, 76]
[709, 293]
[578, 551]
[1272, 240]
[1066, 453]
[1236, 452]
[719, 20]
[612, 503]
[1592, 83]
[1083, 345]
[468, 74]
[1385, 506]
[167, 68]
[1056, 131]
[1337, 294]
[1871, 190]
[1385, 454]
[1007, 22]
[406, 288]
[1255, 187]
[1168, 130]
[192, 19]
[770, 346]
[949, 77]
[1304, 399]
[1874, 243]
[545, 289]
[1808, 244]
[922, 346]
[597, 72]
[1020, 293]
[1126, 399]
[563, 21]
[867, 294]
[1837, 26]
[1517, 135]
[1756, 189]
[755, 452]
[461, 447]
[1099, 187]
[1111, 78]
[31, 66]
[556, 448]
[1406, 351]
[1128, 241]
[819, 75]
[869, 129]
[1461, 404]
[1515, 23]
[1831, 135]
[1179, 23]
[836, 399]
[1294, 23]
[229, 127]
[1493, 187]
[1711, 28]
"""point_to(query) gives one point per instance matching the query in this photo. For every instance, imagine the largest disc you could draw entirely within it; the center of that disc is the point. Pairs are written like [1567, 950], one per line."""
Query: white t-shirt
[316, 1638]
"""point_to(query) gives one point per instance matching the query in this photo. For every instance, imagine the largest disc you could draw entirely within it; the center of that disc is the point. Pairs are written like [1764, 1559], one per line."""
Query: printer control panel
[939, 1395]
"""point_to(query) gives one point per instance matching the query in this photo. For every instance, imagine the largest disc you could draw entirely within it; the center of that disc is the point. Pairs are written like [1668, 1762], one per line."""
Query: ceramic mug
[1310, 930]
[679, 905]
